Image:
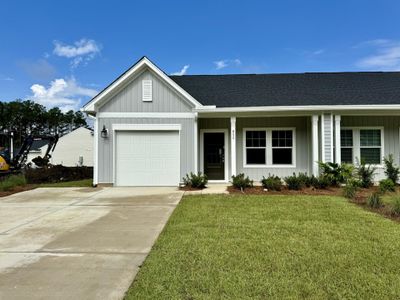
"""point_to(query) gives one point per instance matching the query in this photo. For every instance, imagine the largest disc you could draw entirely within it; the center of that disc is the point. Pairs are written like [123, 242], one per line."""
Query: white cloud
[83, 50]
[386, 55]
[318, 52]
[6, 78]
[224, 63]
[183, 71]
[66, 94]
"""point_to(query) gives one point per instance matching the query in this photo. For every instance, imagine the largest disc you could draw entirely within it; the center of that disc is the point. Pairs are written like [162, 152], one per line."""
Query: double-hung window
[268, 147]
[364, 144]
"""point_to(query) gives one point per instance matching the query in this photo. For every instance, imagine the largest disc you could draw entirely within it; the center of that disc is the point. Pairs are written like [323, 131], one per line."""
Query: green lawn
[242, 247]
[76, 183]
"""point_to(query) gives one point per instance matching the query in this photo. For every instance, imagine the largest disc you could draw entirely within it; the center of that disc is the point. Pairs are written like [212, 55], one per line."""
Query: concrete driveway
[78, 243]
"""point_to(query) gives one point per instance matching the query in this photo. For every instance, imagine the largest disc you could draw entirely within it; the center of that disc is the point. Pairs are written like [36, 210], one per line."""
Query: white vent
[147, 90]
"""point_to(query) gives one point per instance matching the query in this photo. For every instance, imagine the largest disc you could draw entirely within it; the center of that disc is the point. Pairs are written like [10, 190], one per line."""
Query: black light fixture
[104, 132]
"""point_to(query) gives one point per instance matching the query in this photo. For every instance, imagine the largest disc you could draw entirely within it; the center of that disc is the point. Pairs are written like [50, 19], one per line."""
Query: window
[256, 147]
[268, 147]
[282, 143]
[346, 142]
[147, 90]
[370, 146]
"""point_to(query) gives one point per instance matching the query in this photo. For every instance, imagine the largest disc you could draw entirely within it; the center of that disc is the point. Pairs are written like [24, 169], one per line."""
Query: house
[151, 129]
[73, 149]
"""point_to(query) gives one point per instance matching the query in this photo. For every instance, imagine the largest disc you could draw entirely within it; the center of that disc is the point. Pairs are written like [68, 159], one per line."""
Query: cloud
[318, 52]
[6, 78]
[183, 71]
[221, 64]
[83, 50]
[65, 94]
[385, 56]
[40, 69]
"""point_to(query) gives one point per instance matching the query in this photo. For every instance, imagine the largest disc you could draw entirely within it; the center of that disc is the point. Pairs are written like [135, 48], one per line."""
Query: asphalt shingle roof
[349, 88]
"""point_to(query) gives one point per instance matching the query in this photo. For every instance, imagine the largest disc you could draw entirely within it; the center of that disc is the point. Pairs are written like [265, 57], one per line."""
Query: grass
[76, 183]
[11, 182]
[244, 247]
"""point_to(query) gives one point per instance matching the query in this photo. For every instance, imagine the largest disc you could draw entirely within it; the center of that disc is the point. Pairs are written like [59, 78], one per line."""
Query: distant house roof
[349, 88]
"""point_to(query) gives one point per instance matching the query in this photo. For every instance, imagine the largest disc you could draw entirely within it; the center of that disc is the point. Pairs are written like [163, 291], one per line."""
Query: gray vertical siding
[303, 140]
[129, 98]
[106, 145]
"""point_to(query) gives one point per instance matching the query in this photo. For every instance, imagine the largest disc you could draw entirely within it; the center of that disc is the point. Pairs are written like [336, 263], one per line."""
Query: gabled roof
[303, 89]
[144, 62]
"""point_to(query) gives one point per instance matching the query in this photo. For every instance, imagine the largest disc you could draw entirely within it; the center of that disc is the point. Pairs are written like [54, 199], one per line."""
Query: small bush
[396, 206]
[294, 182]
[273, 183]
[193, 180]
[305, 179]
[335, 173]
[374, 200]
[350, 190]
[12, 181]
[321, 182]
[365, 174]
[391, 171]
[386, 185]
[241, 181]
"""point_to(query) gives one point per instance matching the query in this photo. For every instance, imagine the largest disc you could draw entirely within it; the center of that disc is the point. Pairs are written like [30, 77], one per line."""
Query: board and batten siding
[129, 97]
[106, 144]
[327, 133]
[303, 142]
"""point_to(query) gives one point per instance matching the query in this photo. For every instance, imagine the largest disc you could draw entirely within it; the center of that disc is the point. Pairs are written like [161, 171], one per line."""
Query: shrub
[58, 173]
[396, 206]
[350, 190]
[321, 182]
[241, 181]
[336, 173]
[305, 179]
[391, 171]
[193, 180]
[12, 181]
[294, 182]
[374, 200]
[365, 174]
[386, 185]
[273, 183]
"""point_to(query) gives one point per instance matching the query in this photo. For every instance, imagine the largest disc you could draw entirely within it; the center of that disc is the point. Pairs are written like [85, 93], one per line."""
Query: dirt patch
[18, 189]
[189, 188]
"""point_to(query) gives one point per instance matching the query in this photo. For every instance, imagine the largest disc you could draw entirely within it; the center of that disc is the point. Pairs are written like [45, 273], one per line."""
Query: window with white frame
[364, 144]
[264, 147]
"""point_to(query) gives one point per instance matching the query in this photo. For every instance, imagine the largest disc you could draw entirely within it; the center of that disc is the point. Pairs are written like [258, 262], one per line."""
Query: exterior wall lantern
[104, 132]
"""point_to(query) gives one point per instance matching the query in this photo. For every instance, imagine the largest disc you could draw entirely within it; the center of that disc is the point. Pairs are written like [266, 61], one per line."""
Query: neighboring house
[151, 129]
[73, 149]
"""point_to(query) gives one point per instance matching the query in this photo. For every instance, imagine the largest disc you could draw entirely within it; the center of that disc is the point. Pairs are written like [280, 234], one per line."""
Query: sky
[61, 53]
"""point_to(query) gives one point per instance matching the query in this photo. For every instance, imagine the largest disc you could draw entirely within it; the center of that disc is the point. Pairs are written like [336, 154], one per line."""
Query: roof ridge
[299, 73]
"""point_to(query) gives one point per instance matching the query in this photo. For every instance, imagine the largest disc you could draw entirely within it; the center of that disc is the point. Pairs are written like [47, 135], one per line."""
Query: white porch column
[196, 144]
[233, 145]
[315, 143]
[96, 151]
[338, 158]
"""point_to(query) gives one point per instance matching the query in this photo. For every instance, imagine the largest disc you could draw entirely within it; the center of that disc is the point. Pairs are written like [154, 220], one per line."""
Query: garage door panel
[147, 158]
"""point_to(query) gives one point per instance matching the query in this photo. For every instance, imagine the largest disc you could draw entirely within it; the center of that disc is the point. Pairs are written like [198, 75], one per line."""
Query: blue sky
[62, 54]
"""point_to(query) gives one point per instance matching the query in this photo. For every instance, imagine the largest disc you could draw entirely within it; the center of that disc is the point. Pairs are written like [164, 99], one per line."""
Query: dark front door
[214, 155]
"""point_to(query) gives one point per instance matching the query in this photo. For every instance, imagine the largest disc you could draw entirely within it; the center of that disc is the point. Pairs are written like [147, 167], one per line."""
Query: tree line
[23, 117]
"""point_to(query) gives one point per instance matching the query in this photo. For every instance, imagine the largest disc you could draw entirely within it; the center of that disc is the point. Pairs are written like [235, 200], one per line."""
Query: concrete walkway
[78, 243]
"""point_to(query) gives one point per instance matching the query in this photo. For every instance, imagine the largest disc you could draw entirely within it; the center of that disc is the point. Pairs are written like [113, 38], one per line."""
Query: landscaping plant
[273, 183]
[391, 171]
[374, 200]
[396, 206]
[321, 182]
[305, 179]
[336, 173]
[386, 185]
[12, 181]
[294, 182]
[193, 180]
[350, 190]
[365, 174]
[241, 181]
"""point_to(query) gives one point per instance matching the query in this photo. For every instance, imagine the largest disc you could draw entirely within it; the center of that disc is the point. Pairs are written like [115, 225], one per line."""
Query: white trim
[195, 136]
[323, 137]
[357, 145]
[147, 90]
[268, 147]
[154, 127]
[141, 127]
[332, 138]
[338, 154]
[164, 115]
[233, 146]
[96, 152]
[315, 144]
[299, 108]
[226, 152]
[144, 62]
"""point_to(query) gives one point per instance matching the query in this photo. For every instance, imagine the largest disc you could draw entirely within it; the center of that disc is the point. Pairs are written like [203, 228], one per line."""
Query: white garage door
[147, 158]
